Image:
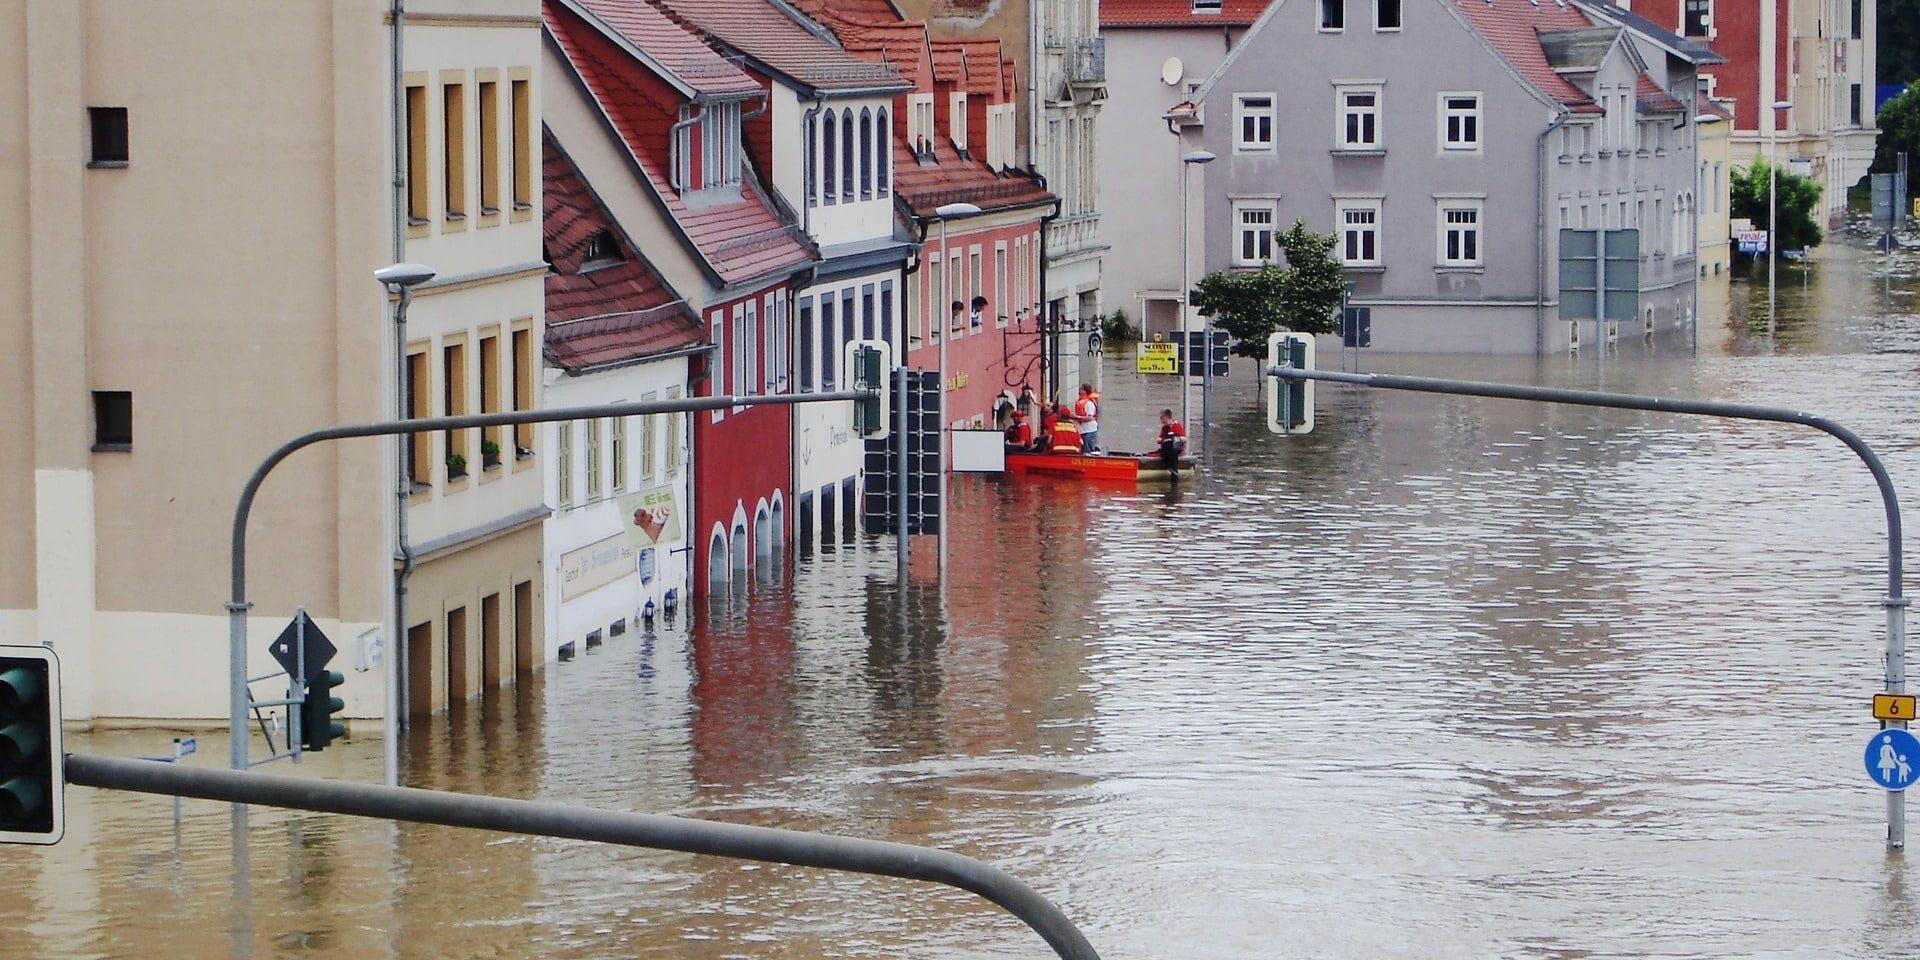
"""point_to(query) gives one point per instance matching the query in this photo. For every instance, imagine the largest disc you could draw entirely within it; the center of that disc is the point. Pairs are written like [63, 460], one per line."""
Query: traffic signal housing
[317, 725]
[1290, 402]
[32, 766]
[867, 363]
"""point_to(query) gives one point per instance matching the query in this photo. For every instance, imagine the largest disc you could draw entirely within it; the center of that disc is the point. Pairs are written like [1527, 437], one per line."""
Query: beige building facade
[194, 197]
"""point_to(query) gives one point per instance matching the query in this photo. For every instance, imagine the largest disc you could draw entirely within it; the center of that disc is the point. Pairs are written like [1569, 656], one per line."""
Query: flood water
[1444, 678]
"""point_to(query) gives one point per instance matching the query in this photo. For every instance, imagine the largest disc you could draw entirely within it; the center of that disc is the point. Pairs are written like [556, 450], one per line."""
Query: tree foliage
[1899, 124]
[1799, 197]
[1304, 296]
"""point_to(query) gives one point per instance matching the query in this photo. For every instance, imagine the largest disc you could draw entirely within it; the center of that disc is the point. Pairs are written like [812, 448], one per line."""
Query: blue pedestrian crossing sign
[1892, 758]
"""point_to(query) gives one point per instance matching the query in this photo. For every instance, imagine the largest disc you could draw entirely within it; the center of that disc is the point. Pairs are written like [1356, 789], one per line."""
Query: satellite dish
[1171, 71]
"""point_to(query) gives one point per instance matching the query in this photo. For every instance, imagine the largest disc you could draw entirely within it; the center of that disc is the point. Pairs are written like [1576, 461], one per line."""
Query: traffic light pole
[1895, 603]
[238, 605]
[652, 831]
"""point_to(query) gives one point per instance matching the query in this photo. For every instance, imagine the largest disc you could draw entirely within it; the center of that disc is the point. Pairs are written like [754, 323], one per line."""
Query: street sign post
[1891, 757]
[302, 649]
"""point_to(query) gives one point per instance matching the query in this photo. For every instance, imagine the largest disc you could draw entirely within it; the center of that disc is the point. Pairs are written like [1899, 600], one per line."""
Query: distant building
[1055, 91]
[1818, 55]
[653, 121]
[1158, 53]
[1445, 144]
[190, 270]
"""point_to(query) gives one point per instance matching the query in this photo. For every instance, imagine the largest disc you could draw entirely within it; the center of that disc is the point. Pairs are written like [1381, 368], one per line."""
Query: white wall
[583, 522]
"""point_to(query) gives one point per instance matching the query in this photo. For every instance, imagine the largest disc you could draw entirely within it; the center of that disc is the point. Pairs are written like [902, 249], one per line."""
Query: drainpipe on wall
[806, 128]
[1540, 233]
[1049, 346]
[403, 551]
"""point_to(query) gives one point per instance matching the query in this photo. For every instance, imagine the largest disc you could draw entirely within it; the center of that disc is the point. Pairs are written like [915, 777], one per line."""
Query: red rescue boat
[1112, 467]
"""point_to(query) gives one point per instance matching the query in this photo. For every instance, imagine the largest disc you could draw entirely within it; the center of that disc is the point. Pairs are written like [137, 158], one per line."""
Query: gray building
[1446, 144]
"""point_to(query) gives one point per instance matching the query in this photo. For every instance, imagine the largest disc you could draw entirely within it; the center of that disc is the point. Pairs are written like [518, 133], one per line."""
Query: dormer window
[706, 151]
[1206, 6]
[601, 251]
[957, 120]
[920, 123]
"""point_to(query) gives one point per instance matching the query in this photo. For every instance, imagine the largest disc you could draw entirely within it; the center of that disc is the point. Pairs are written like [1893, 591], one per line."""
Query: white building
[616, 554]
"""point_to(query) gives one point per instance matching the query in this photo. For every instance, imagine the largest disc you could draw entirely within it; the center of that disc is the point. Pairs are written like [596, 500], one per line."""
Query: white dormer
[957, 120]
[920, 121]
[715, 128]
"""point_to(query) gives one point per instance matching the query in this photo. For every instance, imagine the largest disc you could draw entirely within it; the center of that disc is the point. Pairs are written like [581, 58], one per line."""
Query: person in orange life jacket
[1173, 440]
[1064, 435]
[1086, 412]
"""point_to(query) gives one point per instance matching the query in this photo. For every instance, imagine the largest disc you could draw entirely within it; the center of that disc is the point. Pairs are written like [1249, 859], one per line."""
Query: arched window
[813, 165]
[882, 154]
[828, 144]
[717, 565]
[866, 154]
[846, 153]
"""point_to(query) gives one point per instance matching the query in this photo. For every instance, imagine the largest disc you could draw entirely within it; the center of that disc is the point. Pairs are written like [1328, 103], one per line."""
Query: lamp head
[1199, 156]
[403, 274]
[1783, 104]
[953, 211]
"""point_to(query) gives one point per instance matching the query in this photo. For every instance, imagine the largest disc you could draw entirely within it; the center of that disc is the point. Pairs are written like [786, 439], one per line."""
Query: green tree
[1799, 196]
[1899, 124]
[1304, 296]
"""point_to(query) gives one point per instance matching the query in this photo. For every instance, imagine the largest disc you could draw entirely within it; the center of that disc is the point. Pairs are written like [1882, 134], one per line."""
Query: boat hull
[1111, 468]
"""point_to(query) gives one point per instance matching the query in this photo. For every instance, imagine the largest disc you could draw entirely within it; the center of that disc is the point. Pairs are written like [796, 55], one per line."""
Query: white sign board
[979, 451]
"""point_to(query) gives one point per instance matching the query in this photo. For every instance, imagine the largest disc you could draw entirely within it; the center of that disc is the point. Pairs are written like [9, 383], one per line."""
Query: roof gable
[738, 239]
[654, 40]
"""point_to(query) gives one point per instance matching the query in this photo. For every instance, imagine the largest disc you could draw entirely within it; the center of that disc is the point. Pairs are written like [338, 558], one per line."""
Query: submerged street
[1445, 677]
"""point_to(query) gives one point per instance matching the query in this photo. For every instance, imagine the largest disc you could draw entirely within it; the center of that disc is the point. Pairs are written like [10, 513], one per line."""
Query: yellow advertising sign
[1157, 357]
[652, 517]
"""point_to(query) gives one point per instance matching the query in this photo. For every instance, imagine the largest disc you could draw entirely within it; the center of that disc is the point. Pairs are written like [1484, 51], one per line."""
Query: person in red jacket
[1173, 440]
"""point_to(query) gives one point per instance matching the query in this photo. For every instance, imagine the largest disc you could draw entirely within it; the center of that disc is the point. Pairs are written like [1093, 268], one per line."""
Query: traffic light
[317, 726]
[867, 364]
[1290, 402]
[32, 768]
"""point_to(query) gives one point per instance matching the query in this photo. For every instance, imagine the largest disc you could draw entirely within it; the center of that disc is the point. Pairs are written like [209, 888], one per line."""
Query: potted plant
[456, 466]
[489, 454]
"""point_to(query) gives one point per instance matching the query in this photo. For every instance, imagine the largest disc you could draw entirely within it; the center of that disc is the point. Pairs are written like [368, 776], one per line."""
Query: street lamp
[946, 211]
[399, 278]
[1187, 163]
[1773, 202]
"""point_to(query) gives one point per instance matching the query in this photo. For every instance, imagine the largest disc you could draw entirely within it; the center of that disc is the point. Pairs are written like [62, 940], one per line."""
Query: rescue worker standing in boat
[1086, 412]
[1173, 442]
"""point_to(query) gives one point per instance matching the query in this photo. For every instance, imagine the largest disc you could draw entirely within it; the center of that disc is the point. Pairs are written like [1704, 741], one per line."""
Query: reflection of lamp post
[1187, 163]
[400, 278]
[946, 211]
[1773, 202]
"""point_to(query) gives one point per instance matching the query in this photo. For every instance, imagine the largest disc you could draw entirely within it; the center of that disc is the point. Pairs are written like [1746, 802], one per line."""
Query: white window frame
[1342, 206]
[1396, 28]
[649, 438]
[919, 120]
[1449, 113]
[720, 365]
[719, 145]
[957, 120]
[1445, 207]
[1243, 111]
[1342, 110]
[1240, 230]
[1320, 8]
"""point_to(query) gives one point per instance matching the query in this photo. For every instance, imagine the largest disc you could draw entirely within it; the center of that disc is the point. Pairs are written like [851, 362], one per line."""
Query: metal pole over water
[1895, 602]
[652, 831]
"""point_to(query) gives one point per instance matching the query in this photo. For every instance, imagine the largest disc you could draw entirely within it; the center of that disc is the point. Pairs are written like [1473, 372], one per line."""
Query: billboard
[652, 517]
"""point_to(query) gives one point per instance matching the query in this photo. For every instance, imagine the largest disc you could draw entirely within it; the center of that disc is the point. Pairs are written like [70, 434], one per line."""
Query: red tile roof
[1178, 13]
[922, 188]
[740, 240]
[619, 313]
[764, 33]
[1513, 29]
[1652, 98]
[682, 56]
